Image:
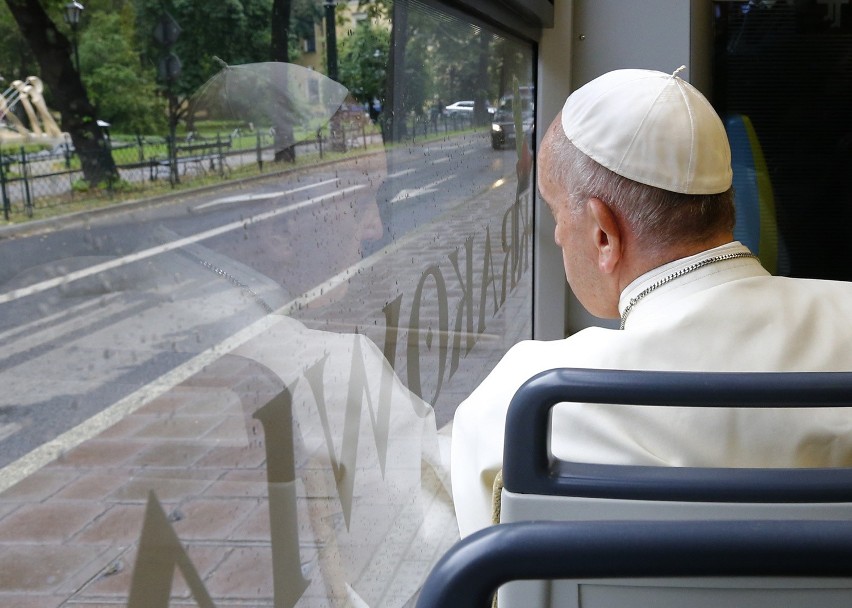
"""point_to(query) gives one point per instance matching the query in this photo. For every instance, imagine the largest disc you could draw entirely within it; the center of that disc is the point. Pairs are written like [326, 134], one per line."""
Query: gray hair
[659, 218]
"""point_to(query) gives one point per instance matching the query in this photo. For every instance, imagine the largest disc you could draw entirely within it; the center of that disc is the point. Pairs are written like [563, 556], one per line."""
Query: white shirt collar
[651, 277]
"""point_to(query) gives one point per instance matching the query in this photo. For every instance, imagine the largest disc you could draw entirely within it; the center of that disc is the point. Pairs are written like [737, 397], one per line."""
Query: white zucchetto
[653, 128]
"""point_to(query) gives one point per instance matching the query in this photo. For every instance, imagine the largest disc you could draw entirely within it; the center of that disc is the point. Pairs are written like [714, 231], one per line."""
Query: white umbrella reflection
[294, 100]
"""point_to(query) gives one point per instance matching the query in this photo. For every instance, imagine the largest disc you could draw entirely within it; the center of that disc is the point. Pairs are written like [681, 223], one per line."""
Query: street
[94, 315]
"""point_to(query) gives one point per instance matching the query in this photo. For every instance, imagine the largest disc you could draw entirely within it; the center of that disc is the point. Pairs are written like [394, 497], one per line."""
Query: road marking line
[49, 451]
[259, 197]
[401, 173]
[32, 326]
[165, 248]
[9, 429]
[408, 193]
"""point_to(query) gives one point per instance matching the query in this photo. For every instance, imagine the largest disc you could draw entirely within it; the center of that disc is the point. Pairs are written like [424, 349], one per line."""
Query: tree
[230, 31]
[237, 31]
[53, 54]
[280, 34]
[16, 59]
[376, 9]
[461, 61]
[392, 128]
[280, 51]
[363, 61]
[291, 20]
[304, 15]
[123, 92]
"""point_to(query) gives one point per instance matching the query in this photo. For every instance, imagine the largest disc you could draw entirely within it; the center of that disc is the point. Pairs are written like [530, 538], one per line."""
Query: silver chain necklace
[677, 274]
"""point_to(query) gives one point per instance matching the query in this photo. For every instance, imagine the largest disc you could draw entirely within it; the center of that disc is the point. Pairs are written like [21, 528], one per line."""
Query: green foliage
[237, 31]
[418, 70]
[376, 9]
[124, 93]
[509, 59]
[80, 185]
[444, 59]
[363, 57]
[305, 13]
[16, 60]
[457, 60]
[118, 186]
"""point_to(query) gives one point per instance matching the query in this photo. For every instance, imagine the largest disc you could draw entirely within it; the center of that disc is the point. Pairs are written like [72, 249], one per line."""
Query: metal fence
[50, 178]
[417, 126]
[53, 178]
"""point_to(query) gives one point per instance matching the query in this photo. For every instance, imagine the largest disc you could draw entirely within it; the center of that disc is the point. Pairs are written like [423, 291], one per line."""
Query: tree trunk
[53, 52]
[394, 126]
[480, 107]
[285, 151]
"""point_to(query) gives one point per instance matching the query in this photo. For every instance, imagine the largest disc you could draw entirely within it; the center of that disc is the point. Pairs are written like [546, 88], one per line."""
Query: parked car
[465, 108]
[459, 108]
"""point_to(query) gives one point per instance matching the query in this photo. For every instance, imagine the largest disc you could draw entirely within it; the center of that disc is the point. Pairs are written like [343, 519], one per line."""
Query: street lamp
[72, 18]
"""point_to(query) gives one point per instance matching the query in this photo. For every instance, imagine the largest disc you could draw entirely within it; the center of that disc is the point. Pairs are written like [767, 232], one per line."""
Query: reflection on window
[775, 81]
[234, 387]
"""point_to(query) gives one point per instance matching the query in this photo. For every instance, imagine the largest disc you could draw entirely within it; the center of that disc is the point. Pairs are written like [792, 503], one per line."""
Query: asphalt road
[93, 313]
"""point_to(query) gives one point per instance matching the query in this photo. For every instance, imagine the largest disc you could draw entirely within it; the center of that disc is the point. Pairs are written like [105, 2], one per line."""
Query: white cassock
[726, 316]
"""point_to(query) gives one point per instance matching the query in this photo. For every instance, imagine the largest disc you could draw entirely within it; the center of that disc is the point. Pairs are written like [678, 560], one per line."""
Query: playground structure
[42, 125]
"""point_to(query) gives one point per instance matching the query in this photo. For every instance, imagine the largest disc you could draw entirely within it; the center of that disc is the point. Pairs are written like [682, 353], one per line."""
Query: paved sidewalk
[265, 515]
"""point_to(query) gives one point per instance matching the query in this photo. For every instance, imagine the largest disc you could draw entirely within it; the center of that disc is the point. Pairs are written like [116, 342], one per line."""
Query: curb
[81, 217]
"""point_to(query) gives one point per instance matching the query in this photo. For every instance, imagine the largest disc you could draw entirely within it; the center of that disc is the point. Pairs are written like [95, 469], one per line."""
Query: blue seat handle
[530, 468]
[472, 570]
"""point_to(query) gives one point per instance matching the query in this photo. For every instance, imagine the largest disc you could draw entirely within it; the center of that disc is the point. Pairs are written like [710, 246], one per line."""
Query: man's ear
[608, 236]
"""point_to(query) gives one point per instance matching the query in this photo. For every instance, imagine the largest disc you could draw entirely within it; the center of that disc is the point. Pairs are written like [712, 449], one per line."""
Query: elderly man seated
[636, 170]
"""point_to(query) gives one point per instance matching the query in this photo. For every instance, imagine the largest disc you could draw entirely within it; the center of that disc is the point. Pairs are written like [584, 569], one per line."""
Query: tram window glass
[226, 381]
[784, 66]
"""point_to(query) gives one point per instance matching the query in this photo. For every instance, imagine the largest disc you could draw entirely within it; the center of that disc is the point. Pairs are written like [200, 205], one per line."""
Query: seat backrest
[539, 487]
[773, 563]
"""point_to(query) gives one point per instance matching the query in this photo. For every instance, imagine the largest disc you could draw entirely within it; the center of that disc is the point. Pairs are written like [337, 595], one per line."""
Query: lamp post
[72, 18]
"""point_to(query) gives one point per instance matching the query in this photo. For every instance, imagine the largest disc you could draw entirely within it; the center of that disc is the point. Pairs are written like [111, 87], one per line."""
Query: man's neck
[647, 261]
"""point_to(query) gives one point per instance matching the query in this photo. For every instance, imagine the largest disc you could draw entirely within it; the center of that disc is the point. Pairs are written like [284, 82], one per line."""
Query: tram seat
[667, 563]
[537, 486]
